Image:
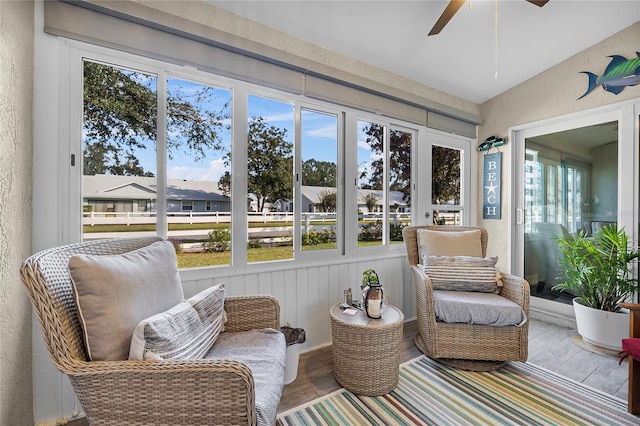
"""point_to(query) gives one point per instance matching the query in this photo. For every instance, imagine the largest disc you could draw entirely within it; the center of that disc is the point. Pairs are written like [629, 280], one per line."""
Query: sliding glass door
[572, 176]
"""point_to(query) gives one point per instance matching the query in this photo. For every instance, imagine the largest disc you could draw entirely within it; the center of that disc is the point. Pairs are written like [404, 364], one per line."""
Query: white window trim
[347, 154]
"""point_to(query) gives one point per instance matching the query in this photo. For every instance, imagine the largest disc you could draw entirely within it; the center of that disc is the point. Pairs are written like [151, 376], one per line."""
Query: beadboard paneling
[307, 293]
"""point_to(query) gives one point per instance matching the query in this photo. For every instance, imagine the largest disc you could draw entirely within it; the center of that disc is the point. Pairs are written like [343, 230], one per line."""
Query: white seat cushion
[264, 352]
[477, 308]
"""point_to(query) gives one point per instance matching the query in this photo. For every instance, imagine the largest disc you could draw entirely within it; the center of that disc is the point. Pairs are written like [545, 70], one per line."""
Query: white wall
[552, 93]
[16, 96]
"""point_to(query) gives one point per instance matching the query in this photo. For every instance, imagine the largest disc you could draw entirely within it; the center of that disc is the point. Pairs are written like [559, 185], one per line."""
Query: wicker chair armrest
[165, 392]
[252, 312]
[516, 289]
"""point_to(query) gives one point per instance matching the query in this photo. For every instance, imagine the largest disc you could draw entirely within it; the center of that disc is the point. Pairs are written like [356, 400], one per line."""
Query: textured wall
[551, 93]
[16, 97]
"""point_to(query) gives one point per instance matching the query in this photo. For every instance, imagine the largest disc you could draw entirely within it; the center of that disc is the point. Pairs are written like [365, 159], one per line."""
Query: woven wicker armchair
[202, 392]
[467, 346]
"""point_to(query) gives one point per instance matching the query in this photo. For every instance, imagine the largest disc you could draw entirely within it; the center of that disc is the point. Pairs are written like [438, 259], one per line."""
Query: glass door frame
[424, 205]
[628, 116]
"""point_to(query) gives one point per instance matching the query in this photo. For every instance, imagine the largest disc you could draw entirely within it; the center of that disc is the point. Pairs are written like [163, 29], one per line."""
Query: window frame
[346, 233]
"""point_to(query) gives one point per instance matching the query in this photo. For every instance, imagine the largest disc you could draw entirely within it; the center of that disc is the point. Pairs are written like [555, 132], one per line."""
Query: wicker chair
[198, 392]
[467, 346]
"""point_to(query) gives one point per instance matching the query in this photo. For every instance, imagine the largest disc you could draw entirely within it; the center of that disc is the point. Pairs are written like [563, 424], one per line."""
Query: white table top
[390, 316]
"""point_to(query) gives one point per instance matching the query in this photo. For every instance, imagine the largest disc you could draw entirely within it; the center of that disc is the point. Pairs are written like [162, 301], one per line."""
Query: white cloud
[327, 132]
[286, 116]
[213, 172]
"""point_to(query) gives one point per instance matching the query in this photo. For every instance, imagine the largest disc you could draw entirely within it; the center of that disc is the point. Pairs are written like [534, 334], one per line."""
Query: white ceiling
[460, 60]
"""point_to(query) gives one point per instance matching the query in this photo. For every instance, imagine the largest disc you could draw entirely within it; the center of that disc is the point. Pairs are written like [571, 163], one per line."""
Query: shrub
[396, 231]
[176, 245]
[312, 238]
[371, 231]
[218, 241]
[254, 243]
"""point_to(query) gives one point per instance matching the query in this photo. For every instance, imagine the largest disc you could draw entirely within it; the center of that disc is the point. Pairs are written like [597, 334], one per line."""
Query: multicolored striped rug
[430, 393]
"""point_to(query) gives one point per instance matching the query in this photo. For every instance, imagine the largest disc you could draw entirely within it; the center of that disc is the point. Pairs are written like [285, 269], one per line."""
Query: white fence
[141, 218]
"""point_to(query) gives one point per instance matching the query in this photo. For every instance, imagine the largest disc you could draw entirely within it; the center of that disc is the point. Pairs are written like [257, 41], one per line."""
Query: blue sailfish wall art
[620, 73]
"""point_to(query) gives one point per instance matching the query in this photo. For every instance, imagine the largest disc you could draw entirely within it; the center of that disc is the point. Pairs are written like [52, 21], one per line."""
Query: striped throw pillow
[186, 331]
[463, 273]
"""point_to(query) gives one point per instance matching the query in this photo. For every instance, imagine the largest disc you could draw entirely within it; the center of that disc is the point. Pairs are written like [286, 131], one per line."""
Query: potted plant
[598, 270]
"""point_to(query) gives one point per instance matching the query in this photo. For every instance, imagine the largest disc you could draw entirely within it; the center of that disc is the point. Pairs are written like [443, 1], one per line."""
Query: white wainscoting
[305, 294]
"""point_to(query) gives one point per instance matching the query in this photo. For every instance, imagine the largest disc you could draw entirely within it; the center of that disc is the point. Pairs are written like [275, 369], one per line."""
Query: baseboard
[553, 318]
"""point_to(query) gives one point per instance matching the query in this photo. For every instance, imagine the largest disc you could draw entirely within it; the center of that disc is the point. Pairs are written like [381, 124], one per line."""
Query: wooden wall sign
[491, 186]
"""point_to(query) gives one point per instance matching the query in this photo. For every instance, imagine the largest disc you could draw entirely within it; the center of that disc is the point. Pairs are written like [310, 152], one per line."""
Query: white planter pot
[601, 328]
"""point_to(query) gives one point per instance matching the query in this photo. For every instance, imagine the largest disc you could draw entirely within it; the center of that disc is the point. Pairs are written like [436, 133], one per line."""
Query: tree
[445, 166]
[327, 199]
[370, 200]
[120, 109]
[445, 176]
[399, 160]
[269, 164]
[319, 173]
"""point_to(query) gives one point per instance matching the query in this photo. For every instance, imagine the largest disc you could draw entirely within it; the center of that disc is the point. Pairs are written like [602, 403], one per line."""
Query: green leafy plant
[395, 231]
[315, 237]
[371, 231]
[218, 240]
[369, 277]
[598, 269]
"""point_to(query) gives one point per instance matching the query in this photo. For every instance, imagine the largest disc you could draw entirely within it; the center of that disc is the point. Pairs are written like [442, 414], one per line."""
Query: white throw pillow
[186, 331]
[463, 273]
[114, 293]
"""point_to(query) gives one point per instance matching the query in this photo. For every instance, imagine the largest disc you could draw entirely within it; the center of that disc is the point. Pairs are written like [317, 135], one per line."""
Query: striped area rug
[430, 393]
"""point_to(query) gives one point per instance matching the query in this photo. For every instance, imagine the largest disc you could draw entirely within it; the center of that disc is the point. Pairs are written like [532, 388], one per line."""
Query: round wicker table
[366, 352]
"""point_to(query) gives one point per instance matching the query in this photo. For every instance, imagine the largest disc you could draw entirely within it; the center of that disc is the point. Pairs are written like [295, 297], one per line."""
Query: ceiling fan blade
[446, 16]
[538, 2]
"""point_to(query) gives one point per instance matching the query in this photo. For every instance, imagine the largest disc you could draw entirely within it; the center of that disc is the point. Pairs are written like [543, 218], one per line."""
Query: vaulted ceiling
[462, 59]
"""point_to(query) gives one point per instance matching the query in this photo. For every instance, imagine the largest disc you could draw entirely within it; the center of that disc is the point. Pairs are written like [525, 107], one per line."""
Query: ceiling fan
[453, 7]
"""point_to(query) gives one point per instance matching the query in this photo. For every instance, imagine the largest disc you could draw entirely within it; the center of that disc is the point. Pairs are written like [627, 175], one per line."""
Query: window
[383, 184]
[318, 178]
[270, 179]
[159, 143]
[371, 176]
[199, 167]
[399, 183]
[119, 148]
[446, 185]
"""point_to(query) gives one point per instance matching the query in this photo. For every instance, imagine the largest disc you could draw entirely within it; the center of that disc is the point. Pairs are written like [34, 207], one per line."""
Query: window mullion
[161, 156]
[239, 192]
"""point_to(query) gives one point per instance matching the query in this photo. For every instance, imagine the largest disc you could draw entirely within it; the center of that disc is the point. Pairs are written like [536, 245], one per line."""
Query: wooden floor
[555, 348]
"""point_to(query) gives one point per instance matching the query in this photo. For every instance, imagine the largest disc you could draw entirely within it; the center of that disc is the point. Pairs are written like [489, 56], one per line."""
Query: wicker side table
[366, 352]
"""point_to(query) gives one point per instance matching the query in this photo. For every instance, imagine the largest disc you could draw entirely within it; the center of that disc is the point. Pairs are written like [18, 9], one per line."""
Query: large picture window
[159, 146]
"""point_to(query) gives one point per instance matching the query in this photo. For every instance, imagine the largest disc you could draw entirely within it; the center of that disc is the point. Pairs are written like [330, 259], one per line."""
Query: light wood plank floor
[552, 347]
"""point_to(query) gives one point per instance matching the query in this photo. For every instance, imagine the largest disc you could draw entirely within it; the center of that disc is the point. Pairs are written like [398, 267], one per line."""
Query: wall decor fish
[620, 72]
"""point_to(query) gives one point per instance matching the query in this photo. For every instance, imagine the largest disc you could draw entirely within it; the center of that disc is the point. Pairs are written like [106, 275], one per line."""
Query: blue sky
[318, 136]
[319, 131]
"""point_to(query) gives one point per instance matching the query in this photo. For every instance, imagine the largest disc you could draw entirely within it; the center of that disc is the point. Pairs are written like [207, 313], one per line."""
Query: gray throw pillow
[114, 293]
[186, 331]
[463, 273]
